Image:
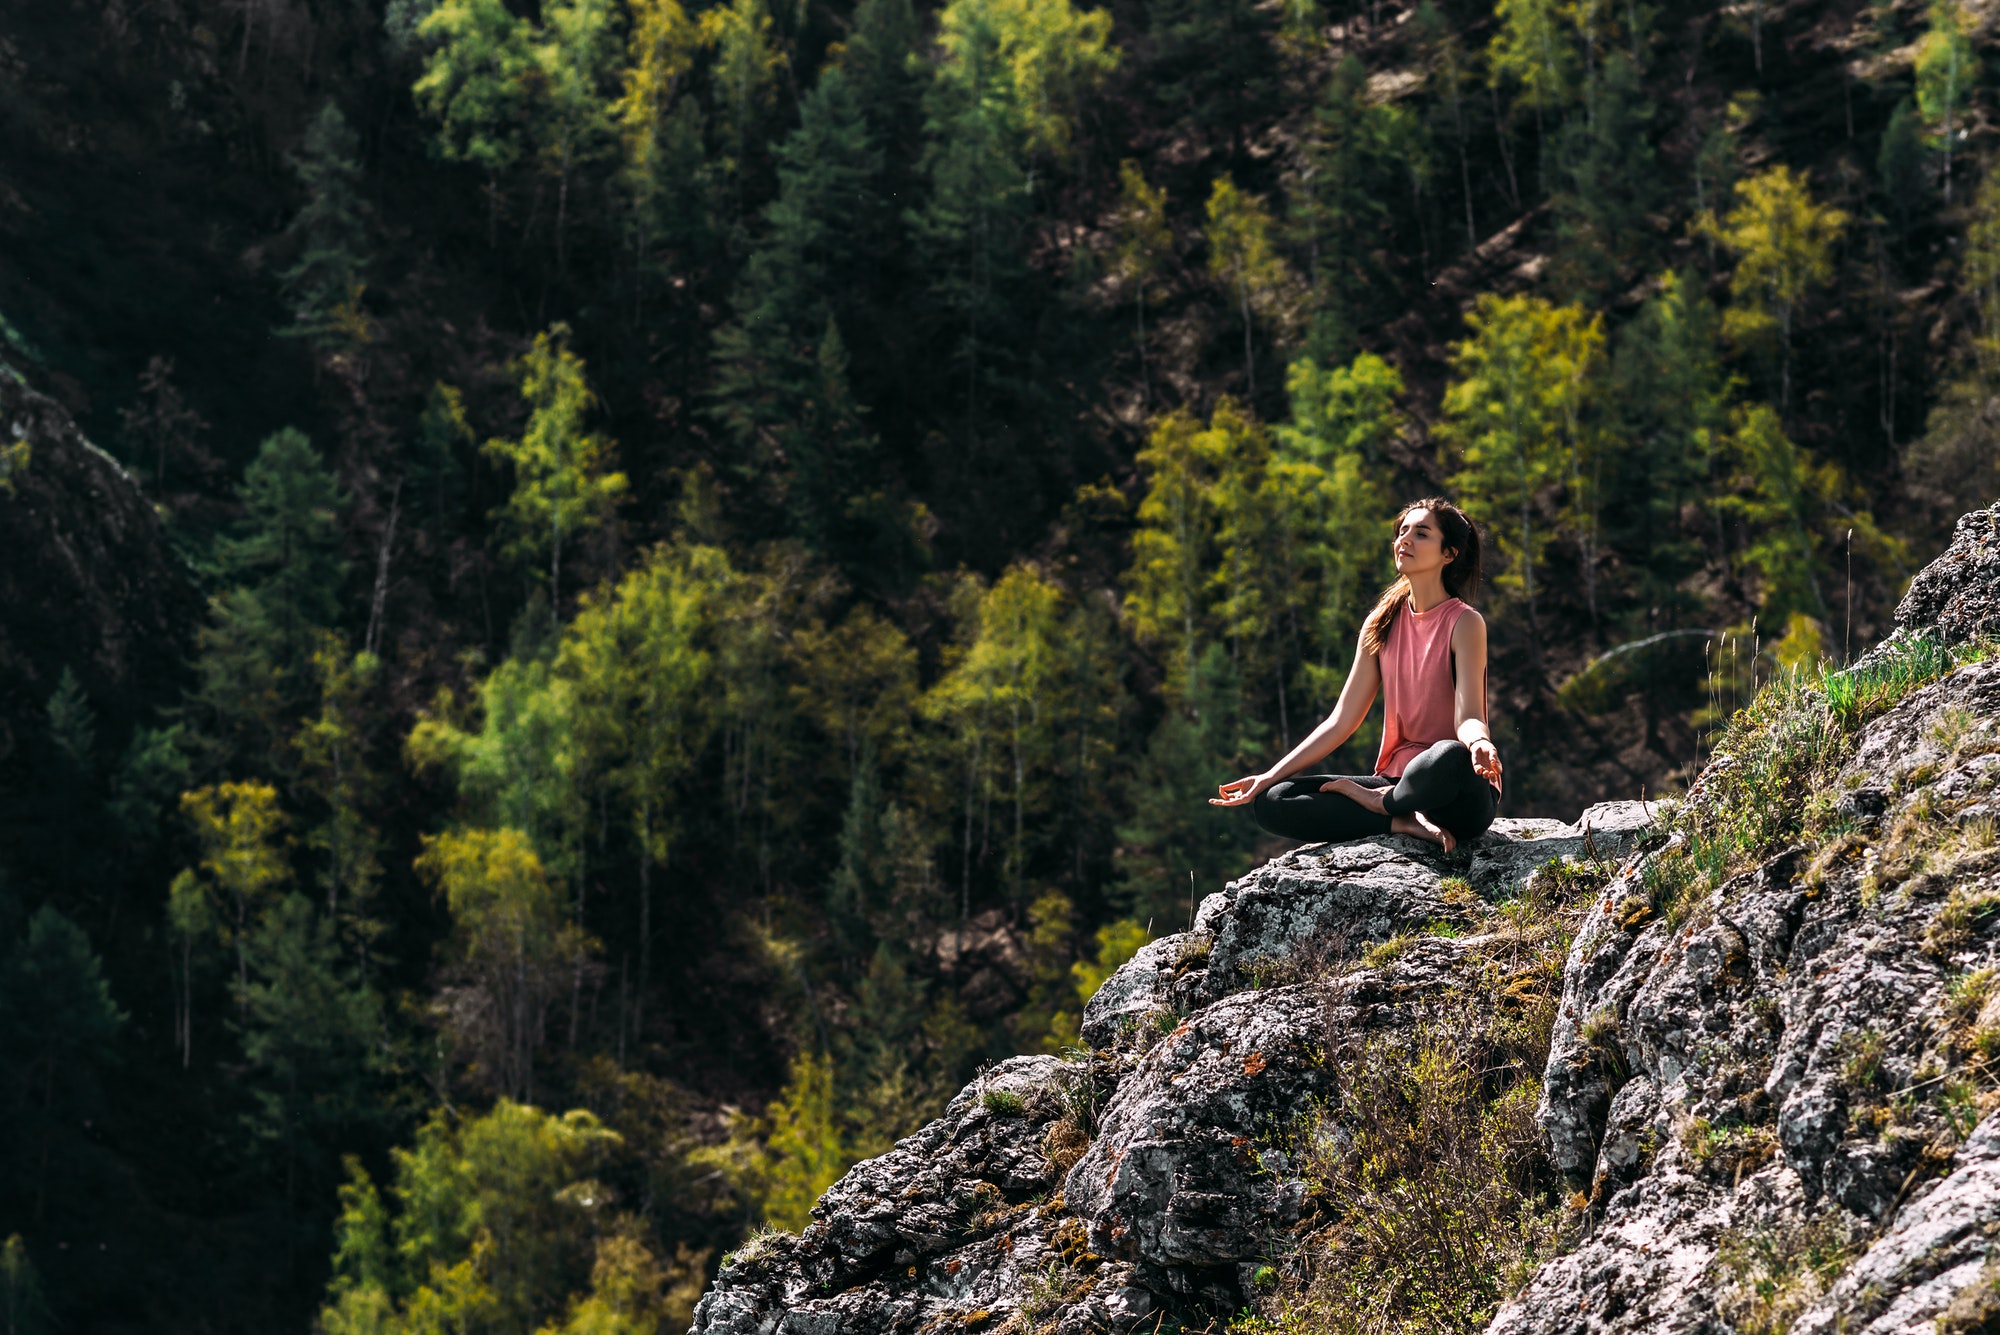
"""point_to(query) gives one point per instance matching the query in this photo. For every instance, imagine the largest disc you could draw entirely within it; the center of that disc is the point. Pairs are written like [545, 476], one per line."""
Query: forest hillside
[605, 600]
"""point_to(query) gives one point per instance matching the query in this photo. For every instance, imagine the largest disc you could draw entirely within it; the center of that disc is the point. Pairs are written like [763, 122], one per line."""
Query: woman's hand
[1241, 791]
[1486, 760]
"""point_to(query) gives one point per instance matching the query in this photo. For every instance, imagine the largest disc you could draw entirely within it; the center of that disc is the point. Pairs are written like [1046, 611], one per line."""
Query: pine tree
[285, 558]
[782, 386]
[73, 725]
[1342, 211]
[329, 233]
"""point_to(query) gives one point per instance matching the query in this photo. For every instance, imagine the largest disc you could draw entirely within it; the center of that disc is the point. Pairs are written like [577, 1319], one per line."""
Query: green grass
[1003, 1103]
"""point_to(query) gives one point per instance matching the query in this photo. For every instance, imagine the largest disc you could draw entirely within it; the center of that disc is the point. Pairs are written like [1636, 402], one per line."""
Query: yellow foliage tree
[1783, 241]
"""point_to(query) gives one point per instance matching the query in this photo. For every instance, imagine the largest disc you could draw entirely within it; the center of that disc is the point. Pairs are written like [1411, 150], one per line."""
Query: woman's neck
[1426, 591]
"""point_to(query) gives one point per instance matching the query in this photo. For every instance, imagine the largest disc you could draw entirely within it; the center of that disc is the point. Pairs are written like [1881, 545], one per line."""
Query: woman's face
[1419, 546]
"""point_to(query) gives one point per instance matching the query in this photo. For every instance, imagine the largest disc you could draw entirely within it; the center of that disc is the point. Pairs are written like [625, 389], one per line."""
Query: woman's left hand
[1486, 760]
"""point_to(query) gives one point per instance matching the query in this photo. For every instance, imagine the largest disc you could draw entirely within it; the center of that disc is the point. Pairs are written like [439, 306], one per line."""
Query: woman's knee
[1450, 752]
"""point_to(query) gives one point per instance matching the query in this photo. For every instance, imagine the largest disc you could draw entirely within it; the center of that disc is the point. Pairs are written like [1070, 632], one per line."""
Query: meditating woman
[1438, 774]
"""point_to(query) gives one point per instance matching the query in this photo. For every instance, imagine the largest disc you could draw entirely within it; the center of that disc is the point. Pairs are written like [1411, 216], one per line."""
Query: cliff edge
[87, 580]
[1725, 1065]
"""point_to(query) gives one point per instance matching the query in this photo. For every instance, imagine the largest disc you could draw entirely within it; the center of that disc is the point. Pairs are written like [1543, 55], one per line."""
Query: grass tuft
[1003, 1103]
[1775, 1274]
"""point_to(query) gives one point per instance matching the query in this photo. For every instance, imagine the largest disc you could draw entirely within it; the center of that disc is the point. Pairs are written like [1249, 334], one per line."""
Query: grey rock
[1174, 1177]
[1937, 1246]
[1958, 594]
[1505, 855]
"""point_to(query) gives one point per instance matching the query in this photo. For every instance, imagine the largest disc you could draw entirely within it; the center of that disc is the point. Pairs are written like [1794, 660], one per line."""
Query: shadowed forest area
[733, 542]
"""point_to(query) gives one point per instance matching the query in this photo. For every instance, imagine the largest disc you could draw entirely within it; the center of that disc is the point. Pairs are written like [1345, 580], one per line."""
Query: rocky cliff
[1724, 1065]
[87, 581]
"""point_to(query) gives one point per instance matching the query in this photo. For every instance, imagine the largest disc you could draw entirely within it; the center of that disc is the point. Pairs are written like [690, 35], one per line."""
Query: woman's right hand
[1242, 791]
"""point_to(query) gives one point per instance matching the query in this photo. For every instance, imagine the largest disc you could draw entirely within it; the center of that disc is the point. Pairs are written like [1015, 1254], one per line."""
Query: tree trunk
[371, 641]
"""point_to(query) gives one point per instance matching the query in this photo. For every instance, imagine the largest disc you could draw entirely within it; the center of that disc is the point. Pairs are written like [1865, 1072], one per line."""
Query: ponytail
[1461, 575]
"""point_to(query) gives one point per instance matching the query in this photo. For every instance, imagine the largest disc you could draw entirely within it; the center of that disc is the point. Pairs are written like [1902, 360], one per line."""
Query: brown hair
[1460, 575]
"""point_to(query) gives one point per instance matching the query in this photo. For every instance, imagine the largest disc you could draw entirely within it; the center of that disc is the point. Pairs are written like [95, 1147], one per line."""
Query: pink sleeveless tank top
[1417, 705]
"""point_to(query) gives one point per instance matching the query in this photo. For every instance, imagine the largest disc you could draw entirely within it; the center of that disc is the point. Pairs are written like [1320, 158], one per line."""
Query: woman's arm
[1363, 680]
[1468, 650]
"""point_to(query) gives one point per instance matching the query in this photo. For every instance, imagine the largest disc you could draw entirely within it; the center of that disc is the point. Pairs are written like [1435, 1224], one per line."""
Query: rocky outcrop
[1770, 1098]
[87, 581]
[1086, 1195]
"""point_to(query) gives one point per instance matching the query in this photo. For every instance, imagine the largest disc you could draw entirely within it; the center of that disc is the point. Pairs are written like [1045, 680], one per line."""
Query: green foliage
[1117, 942]
[511, 948]
[1243, 259]
[1358, 156]
[323, 285]
[802, 1152]
[474, 82]
[1783, 240]
[1775, 1275]
[1947, 74]
[55, 1003]
[492, 1225]
[1517, 416]
[1429, 1180]
[73, 724]
[564, 484]
[1002, 1103]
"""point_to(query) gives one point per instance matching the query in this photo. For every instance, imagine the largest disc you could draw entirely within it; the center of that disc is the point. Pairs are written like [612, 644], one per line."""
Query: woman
[1438, 774]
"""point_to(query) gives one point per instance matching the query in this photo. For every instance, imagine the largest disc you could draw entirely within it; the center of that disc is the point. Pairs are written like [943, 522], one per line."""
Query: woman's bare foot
[1422, 827]
[1368, 799]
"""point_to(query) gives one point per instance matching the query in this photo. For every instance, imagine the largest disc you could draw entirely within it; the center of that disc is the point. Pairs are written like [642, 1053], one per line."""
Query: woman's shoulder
[1468, 621]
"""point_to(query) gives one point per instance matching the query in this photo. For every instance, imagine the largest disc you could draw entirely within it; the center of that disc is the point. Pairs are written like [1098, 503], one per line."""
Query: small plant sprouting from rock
[1003, 1103]
[1774, 1275]
[765, 1242]
[1861, 1059]
[1384, 953]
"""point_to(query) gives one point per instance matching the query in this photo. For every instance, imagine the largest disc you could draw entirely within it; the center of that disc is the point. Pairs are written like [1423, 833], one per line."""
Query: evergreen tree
[311, 1035]
[57, 1022]
[1613, 181]
[329, 234]
[1351, 163]
[1672, 394]
[285, 559]
[1906, 186]
[782, 385]
[73, 725]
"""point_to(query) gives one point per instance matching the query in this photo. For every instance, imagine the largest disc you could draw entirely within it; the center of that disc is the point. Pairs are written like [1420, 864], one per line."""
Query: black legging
[1441, 783]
